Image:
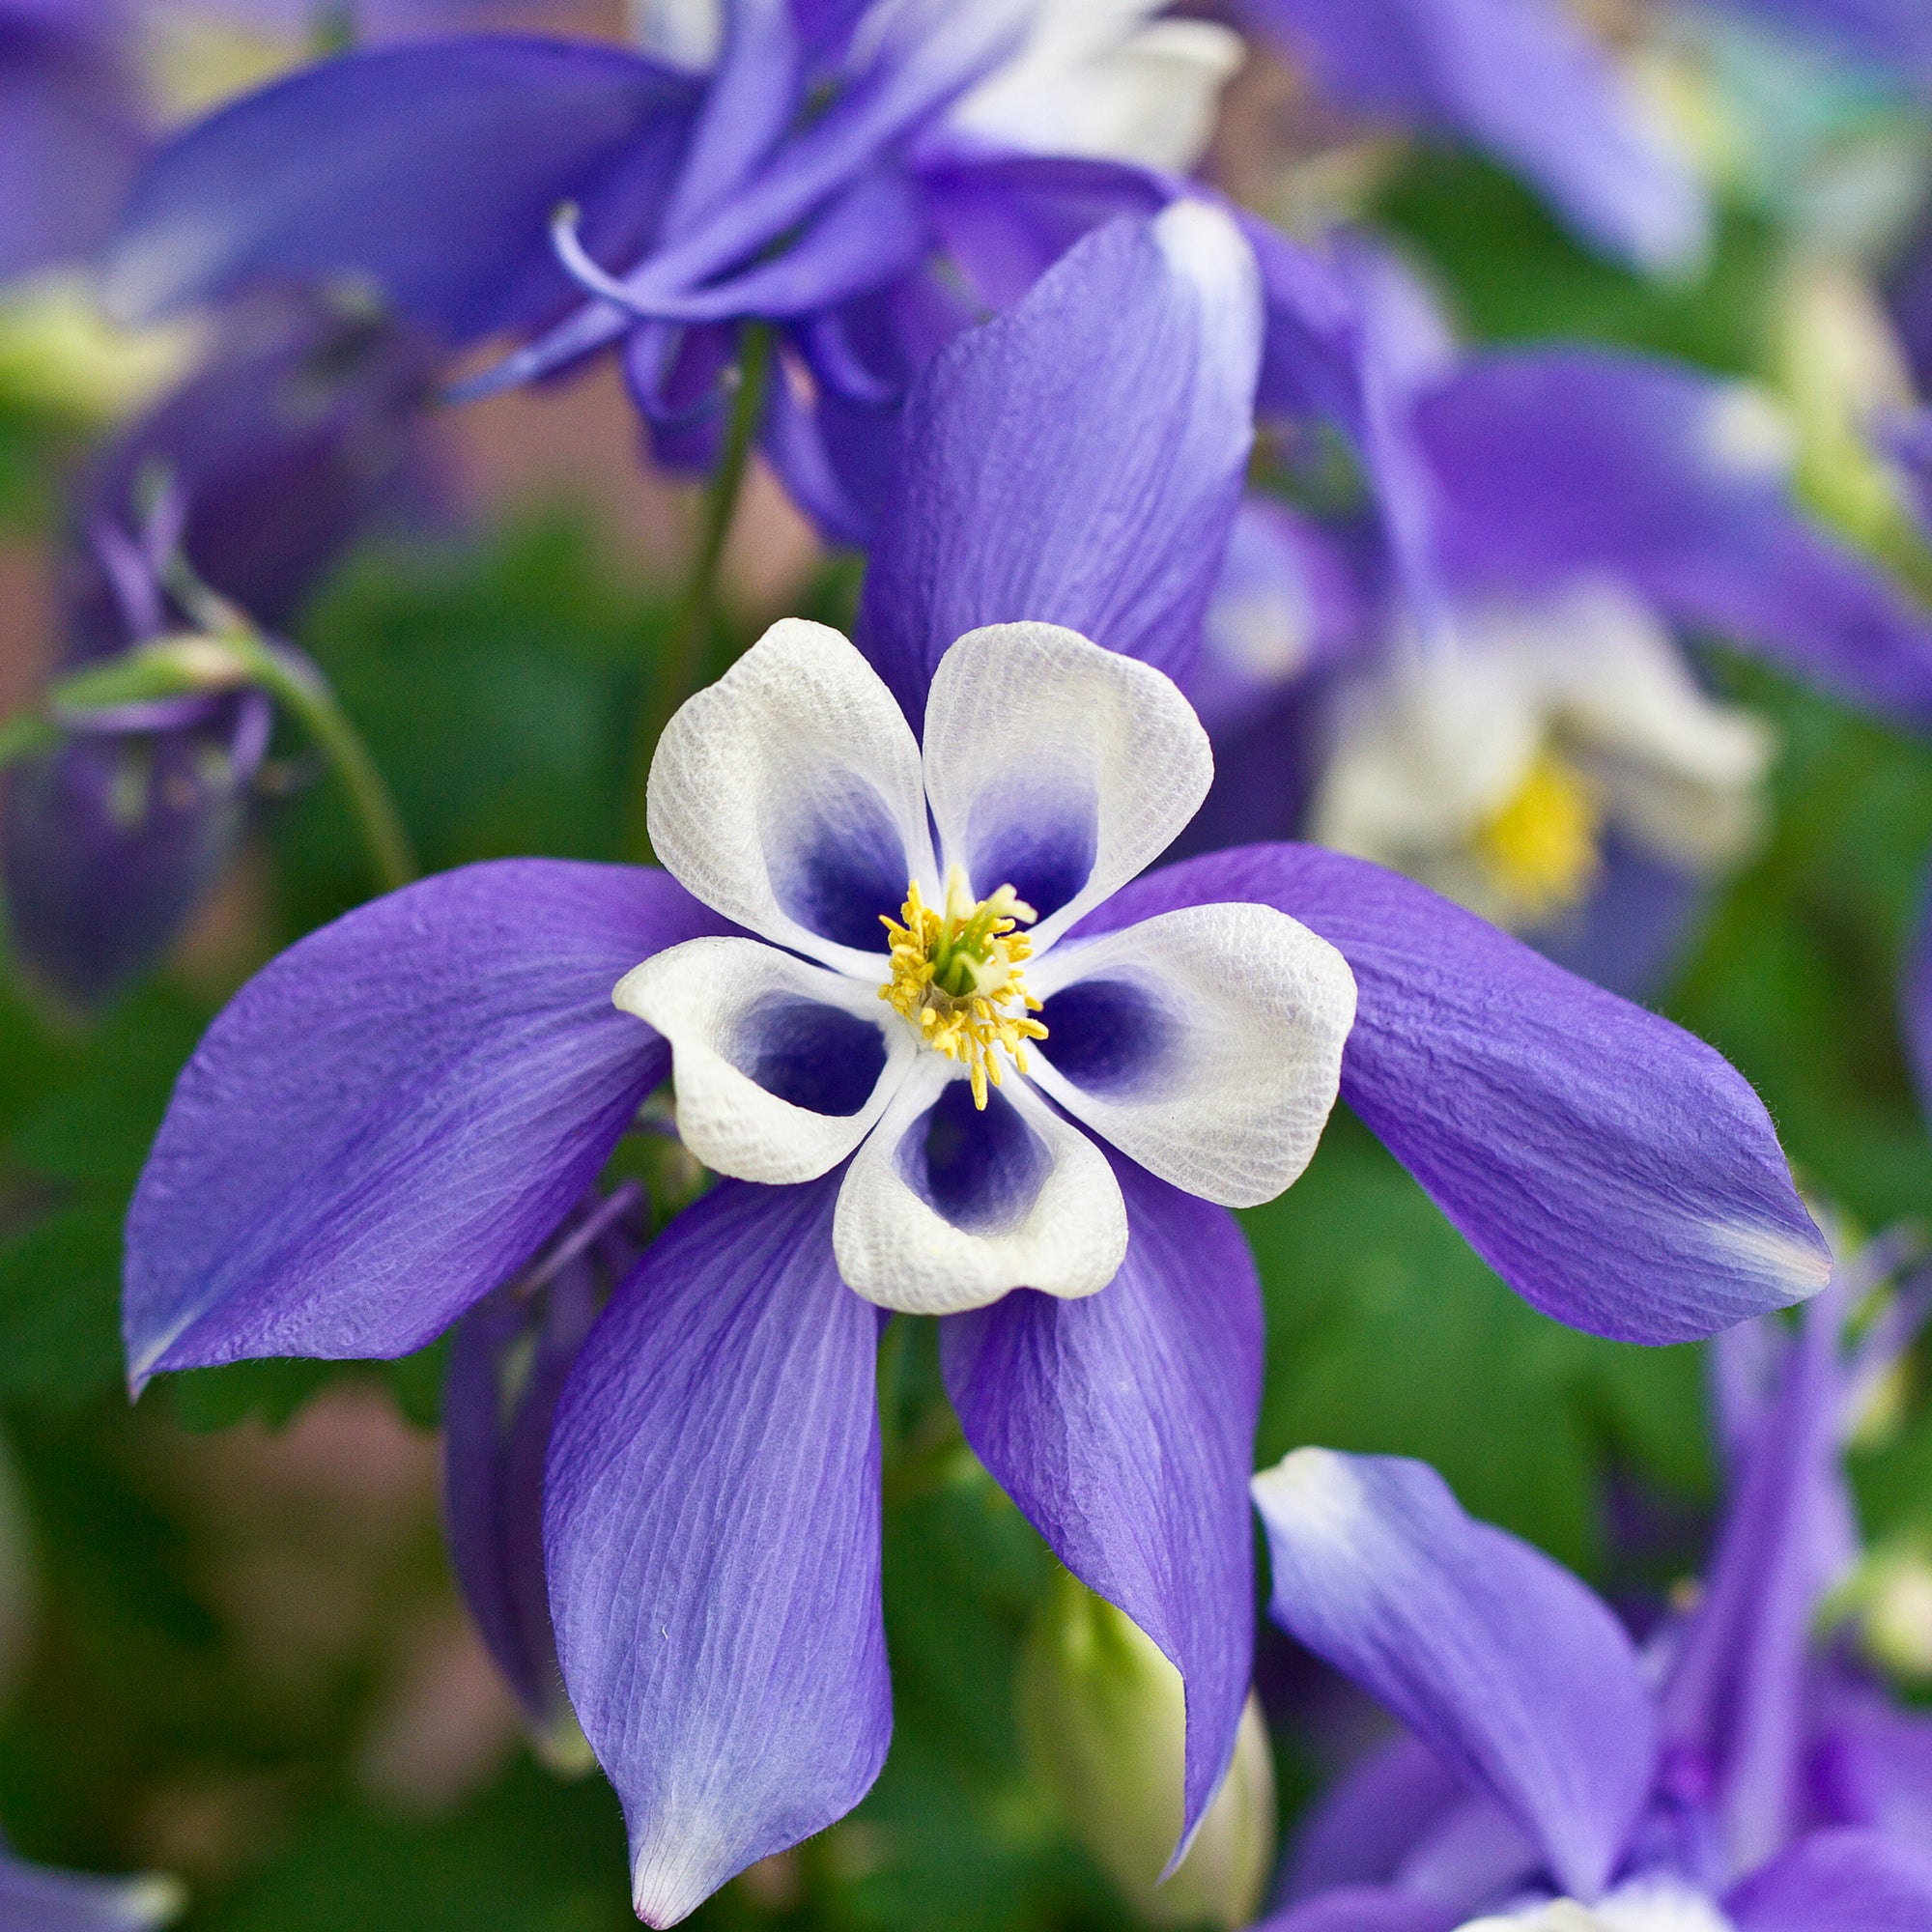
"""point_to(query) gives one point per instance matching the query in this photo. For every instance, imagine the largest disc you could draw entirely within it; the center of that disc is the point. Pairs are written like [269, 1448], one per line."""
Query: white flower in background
[1099, 78]
[1491, 769]
[938, 1030]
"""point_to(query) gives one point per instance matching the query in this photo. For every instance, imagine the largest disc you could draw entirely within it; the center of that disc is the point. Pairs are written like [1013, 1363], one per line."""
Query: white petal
[1206, 1043]
[787, 797]
[1095, 80]
[945, 1208]
[748, 1026]
[1057, 767]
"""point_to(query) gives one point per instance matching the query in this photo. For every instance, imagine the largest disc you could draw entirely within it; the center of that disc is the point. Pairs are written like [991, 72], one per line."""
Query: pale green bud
[60, 354]
[1104, 1715]
[1895, 1592]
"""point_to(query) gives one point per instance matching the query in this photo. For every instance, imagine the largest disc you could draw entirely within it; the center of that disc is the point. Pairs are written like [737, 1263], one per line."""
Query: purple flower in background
[37, 1898]
[396, 1116]
[1546, 753]
[1737, 1779]
[806, 182]
[257, 472]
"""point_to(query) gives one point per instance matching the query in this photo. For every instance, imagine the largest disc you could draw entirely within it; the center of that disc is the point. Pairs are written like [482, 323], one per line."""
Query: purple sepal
[1077, 461]
[1370, 1819]
[71, 133]
[389, 1119]
[433, 168]
[1363, 1908]
[712, 1534]
[1872, 1763]
[1518, 79]
[1512, 1671]
[1560, 464]
[37, 1898]
[1839, 1881]
[508, 1360]
[1123, 1426]
[1616, 1172]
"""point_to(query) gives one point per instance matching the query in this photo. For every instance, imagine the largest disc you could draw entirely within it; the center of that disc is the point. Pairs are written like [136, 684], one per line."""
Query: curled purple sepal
[508, 1360]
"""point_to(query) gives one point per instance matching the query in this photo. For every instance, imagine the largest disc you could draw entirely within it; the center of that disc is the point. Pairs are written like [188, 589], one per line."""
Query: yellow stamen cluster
[1540, 849]
[956, 977]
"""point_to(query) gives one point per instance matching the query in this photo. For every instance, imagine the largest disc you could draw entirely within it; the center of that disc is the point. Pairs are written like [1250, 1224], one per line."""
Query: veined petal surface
[1204, 1043]
[1509, 1668]
[780, 1068]
[1618, 1174]
[712, 1537]
[788, 796]
[1057, 767]
[1079, 460]
[386, 1121]
[1123, 1427]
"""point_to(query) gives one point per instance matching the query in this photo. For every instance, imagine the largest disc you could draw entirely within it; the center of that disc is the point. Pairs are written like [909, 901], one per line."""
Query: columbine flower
[1737, 1779]
[585, 197]
[1503, 710]
[269, 461]
[393, 1117]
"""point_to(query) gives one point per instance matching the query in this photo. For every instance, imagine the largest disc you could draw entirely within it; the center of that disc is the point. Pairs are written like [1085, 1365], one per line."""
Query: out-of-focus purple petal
[1735, 1705]
[1896, 33]
[1079, 460]
[110, 841]
[1872, 1765]
[712, 1530]
[1123, 1426]
[1363, 1908]
[36, 1898]
[386, 1121]
[1512, 1671]
[432, 168]
[508, 1360]
[1841, 1881]
[1616, 1172]
[1518, 79]
[1556, 464]
[71, 136]
[1365, 1824]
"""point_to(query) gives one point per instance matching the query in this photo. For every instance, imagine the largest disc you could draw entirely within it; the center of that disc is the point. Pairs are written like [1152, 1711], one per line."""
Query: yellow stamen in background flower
[956, 977]
[1539, 851]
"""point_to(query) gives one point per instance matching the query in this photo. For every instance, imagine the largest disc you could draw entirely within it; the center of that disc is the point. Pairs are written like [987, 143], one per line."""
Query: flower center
[956, 977]
[1539, 850]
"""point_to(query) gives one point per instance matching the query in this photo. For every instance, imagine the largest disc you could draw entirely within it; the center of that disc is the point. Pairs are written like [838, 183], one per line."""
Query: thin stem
[684, 662]
[290, 678]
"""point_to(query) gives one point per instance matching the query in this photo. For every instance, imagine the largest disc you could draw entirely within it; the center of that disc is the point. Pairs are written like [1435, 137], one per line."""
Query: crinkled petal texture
[1206, 1043]
[1058, 767]
[1078, 461]
[948, 1206]
[1502, 1662]
[1556, 464]
[1842, 1880]
[1123, 1427]
[432, 169]
[387, 1121]
[1616, 1172]
[780, 1068]
[36, 1898]
[1522, 80]
[712, 1537]
[788, 796]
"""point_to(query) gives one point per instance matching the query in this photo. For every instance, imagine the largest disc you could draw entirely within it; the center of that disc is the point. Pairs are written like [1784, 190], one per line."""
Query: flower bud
[1103, 1716]
[1895, 1592]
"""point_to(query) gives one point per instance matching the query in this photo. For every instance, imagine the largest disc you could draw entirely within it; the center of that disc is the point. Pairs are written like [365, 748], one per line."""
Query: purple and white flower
[393, 1117]
[1736, 1776]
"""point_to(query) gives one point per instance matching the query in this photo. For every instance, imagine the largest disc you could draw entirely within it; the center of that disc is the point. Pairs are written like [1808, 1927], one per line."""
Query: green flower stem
[295, 683]
[233, 657]
[684, 664]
